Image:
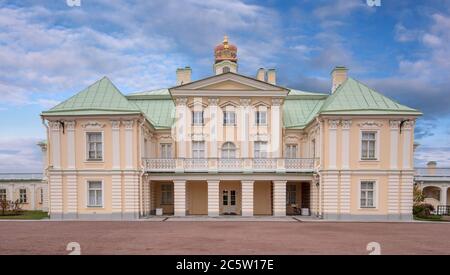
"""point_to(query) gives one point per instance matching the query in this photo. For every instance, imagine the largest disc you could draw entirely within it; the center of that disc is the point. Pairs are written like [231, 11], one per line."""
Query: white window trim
[87, 194]
[256, 117]
[296, 150]
[173, 194]
[375, 193]
[161, 150]
[86, 150]
[202, 123]
[234, 124]
[377, 145]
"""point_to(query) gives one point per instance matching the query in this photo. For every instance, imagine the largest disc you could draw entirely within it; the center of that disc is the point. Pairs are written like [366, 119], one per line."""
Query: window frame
[88, 205]
[23, 198]
[203, 149]
[225, 117]
[289, 193]
[265, 152]
[374, 191]
[168, 153]
[376, 144]
[194, 118]
[289, 151]
[3, 190]
[87, 146]
[258, 118]
[229, 149]
[170, 192]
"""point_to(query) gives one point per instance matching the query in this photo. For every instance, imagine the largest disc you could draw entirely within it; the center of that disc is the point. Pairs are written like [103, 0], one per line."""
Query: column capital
[213, 101]
[54, 125]
[70, 125]
[276, 102]
[245, 102]
[333, 123]
[346, 124]
[128, 124]
[115, 124]
[181, 101]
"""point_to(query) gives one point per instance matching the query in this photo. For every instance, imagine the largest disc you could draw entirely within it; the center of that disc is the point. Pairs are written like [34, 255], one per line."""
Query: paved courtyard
[223, 237]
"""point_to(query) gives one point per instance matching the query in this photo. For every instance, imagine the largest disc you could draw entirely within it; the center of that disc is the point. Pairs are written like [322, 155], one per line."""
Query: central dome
[225, 51]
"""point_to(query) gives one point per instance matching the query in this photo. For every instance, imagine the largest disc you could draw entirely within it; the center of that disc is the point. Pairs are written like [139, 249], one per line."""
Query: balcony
[236, 165]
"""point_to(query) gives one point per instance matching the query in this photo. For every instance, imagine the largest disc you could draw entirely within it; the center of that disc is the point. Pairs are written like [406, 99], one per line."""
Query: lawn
[24, 215]
[432, 218]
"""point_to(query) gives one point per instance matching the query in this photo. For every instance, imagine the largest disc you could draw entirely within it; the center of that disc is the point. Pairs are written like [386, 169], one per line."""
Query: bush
[422, 209]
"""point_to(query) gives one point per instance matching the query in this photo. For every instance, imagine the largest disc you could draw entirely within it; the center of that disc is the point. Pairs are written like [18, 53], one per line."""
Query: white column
[247, 197]
[179, 190]
[213, 124]
[275, 127]
[115, 125]
[332, 143]
[70, 127]
[56, 196]
[213, 197]
[244, 126]
[72, 195]
[181, 125]
[330, 195]
[346, 124]
[279, 198]
[128, 143]
[33, 196]
[11, 192]
[394, 194]
[345, 192]
[116, 195]
[443, 200]
[55, 144]
[407, 148]
[394, 125]
[131, 196]
[406, 195]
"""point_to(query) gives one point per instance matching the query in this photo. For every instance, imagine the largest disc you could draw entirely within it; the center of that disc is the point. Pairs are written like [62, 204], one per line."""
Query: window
[291, 194]
[225, 197]
[94, 146]
[225, 69]
[2, 194]
[368, 143]
[260, 150]
[167, 193]
[229, 118]
[95, 194]
[197, 117]
[42, 196]
[23, 196]
[228, 150]
[291, 151]
[166, 150]
[261, 118]
[367, 194]
[198, 149]
[233, 197]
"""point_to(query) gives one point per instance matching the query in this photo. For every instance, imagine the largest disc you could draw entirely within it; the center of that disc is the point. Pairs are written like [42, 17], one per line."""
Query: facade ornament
[245, 101]
[128, 124]
[408, 125]
[213, 101]
[115, 124]
[198, 137]
[394, 124]
[93, 124]
[277, 101]
[346, 124]
[70, 125]
[333, 123]
[370, 124]
[260, 137]
[181, 101]
[54, 125]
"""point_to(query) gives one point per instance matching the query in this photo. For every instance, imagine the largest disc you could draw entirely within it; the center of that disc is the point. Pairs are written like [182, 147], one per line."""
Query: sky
[50, 50]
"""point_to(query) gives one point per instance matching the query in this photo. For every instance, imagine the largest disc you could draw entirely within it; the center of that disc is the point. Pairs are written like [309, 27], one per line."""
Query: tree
[418, 196]
[4, 205]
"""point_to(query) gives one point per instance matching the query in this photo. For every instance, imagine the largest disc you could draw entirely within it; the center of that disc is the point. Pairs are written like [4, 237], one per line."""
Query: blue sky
[49, 51]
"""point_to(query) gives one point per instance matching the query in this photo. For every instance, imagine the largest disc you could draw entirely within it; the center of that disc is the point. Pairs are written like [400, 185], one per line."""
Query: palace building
[231, 144]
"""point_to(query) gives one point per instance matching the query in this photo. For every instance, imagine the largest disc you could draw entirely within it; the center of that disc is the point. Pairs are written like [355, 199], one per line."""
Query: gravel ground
[223, 237]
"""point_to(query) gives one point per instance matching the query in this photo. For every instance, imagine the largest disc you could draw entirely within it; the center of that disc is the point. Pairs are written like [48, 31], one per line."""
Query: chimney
[431, 165]
[338, 76]
[272, 76]
[261, 74]
[183, 75]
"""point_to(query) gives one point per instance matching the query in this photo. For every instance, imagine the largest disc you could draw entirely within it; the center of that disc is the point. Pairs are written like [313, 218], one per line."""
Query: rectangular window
[198, 149]
[225, 197]
[197, 117]
[229, 118]
[166, 150]
[42, 196]
[2, 194]
[291, 151]
[368, 143]
[95, 194]
[94, 146]
[291, 194]
[260, 149]
[367, 194]
[166, 194]
[261, 118]
[233, 197]
[23, 196]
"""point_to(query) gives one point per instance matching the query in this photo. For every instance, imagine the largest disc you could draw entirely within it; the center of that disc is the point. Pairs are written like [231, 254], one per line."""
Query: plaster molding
[370, 124]
[93, 124]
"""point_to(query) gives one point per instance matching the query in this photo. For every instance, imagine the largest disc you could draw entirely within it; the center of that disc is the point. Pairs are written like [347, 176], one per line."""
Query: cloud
[20, 155]
[424, 154]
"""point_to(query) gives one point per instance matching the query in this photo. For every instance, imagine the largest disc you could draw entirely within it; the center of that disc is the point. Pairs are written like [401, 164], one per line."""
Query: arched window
[228, 150]
[225, 69]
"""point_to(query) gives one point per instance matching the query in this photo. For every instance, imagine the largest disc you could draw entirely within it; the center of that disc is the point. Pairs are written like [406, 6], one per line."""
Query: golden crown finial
[225, 42]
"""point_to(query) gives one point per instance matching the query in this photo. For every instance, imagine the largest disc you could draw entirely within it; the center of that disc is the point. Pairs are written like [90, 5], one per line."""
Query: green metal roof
[160, 112]
[152, 94]
[102, 97]
[297, 113]
[353, 97]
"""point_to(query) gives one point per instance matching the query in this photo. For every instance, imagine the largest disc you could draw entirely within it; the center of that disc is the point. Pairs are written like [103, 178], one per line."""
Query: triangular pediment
[229, 84]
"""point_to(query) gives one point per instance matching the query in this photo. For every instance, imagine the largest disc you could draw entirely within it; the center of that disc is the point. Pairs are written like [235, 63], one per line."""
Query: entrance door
[229, 201]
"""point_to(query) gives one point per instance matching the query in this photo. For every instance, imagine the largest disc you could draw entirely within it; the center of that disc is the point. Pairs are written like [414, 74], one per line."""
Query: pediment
[229, 84]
